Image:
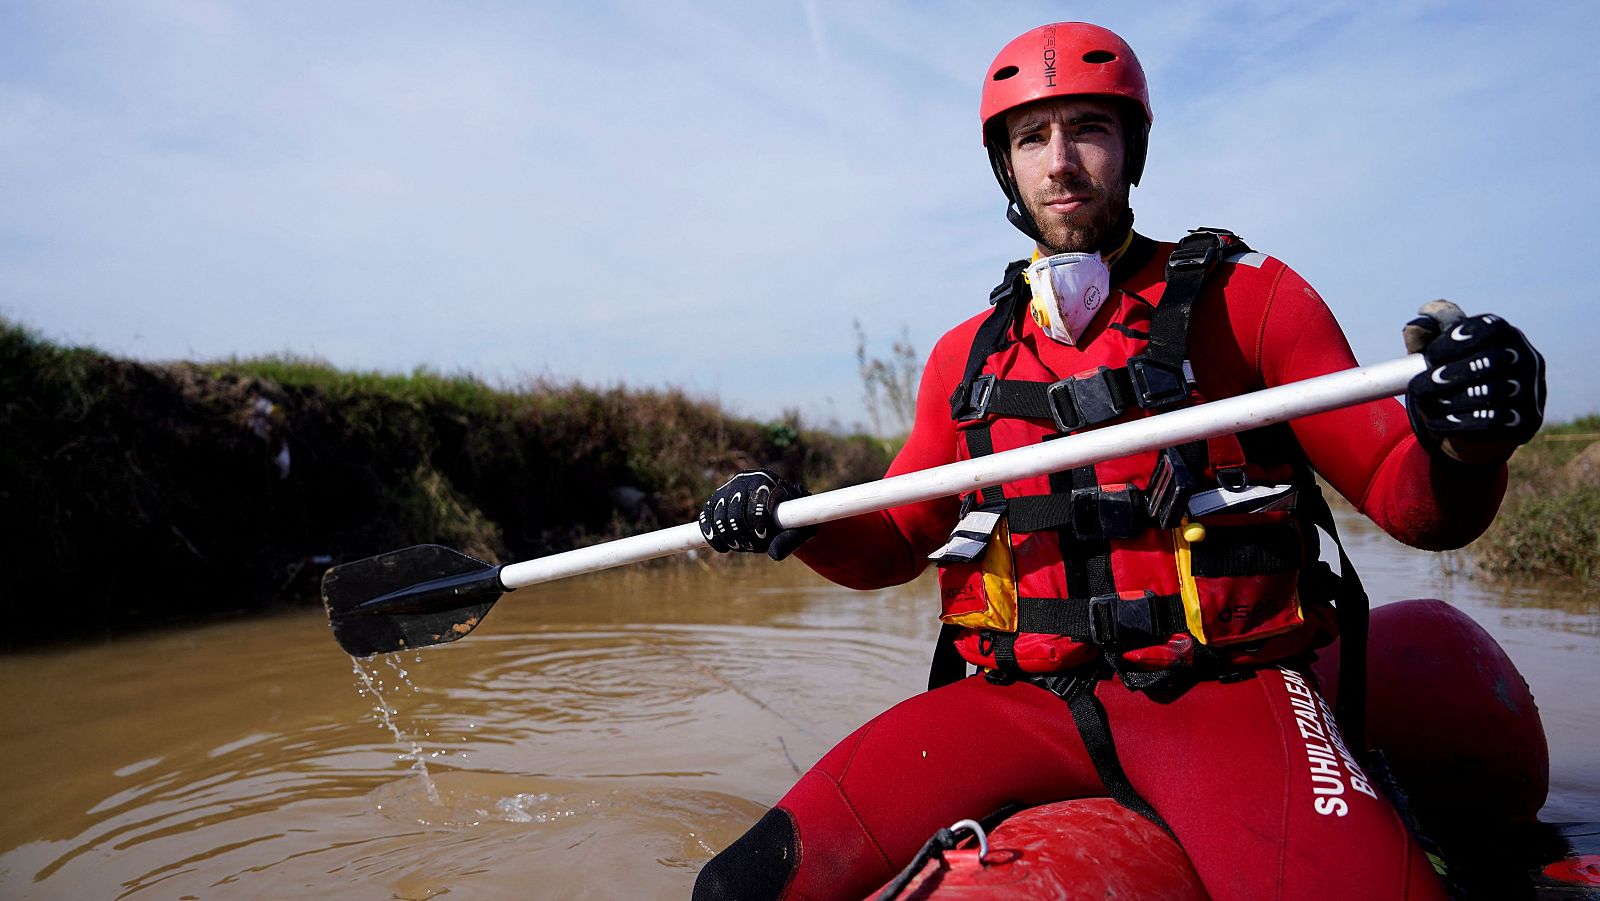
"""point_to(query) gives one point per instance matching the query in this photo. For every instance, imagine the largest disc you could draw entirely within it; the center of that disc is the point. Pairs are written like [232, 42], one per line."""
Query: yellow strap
[1112, 257]
[1189, 591]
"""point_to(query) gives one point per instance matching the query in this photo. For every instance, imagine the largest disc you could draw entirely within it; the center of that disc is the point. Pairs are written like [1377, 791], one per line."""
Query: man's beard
[1088, 230]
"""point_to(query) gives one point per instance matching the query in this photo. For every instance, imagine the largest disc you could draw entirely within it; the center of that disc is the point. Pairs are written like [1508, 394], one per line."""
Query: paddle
[428, 594]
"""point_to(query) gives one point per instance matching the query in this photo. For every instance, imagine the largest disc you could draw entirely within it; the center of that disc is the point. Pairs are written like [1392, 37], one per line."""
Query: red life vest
[1107, 559]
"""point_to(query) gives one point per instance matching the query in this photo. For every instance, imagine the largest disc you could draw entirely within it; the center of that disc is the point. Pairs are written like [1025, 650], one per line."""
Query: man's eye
[1034, 138]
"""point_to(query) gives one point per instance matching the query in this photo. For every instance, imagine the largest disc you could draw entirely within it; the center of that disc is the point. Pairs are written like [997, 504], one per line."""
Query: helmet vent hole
[1004, 73]
[1099, 56]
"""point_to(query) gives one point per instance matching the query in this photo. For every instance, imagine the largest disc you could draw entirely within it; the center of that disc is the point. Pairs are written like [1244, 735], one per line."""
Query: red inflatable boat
[1464, 719]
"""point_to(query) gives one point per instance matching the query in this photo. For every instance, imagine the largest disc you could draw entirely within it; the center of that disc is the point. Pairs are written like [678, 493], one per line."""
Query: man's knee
[757, 866]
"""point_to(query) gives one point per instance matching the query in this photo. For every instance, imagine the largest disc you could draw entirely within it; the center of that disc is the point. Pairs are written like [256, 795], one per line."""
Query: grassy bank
[1549, 524]
[133, 493]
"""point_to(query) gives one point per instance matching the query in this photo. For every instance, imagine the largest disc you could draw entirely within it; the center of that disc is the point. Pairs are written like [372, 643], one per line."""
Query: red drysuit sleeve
[1368, 452]
[889, 547]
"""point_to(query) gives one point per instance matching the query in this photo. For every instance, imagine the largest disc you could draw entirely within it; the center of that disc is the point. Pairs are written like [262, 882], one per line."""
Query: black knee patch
[756, 867]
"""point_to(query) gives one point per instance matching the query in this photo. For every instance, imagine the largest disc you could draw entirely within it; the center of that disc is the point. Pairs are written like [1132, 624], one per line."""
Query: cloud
[707, 194]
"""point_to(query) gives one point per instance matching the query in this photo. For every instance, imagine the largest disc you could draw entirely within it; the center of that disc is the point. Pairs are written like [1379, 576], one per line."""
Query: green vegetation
[133, 493]
[1549, 524]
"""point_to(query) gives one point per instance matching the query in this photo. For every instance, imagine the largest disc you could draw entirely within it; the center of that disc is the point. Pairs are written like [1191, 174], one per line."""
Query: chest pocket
[1238, 575]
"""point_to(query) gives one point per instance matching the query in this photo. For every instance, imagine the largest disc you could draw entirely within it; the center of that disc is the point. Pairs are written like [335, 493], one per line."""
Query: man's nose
[1064, 160]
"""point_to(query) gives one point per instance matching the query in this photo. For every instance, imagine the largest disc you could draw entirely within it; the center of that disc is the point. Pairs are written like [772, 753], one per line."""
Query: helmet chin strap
[1016, 212]
[1018, 215]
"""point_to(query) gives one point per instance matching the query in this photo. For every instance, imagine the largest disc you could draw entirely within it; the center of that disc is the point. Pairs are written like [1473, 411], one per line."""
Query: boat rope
[943, 840]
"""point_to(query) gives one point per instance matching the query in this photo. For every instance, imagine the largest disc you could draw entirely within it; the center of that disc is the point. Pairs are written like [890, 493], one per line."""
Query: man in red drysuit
[1142, 626]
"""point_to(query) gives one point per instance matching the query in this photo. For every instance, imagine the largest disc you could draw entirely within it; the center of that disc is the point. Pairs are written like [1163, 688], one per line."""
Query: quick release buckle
[1158, 384]
[979, 393]
[1109, 512]
[1195, 250]
[1166, 496]
[1084, 399]
[1123, 621]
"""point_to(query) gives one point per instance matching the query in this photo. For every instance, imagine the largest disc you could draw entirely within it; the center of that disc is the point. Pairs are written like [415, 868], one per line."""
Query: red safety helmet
[1063, 60]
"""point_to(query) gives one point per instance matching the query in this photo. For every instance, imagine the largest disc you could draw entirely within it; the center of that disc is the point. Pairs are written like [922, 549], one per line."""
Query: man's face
[1066, 155]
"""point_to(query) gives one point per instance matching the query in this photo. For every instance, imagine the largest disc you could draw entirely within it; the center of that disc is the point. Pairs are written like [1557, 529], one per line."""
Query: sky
[706, 195]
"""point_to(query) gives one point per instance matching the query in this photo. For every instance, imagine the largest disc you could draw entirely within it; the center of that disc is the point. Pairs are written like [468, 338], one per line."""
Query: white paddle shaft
[1234, 414]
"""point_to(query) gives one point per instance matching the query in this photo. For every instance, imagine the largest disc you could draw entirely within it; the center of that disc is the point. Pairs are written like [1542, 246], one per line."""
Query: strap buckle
[1123, 621]
[1110, 512]
[979, 393]
[1196, 250]
[1091, 398]
[1171, 483]
[1158, 384]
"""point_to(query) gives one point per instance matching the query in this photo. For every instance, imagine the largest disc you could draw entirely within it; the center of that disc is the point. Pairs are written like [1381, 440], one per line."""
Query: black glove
[1483, 392]
[738, 517]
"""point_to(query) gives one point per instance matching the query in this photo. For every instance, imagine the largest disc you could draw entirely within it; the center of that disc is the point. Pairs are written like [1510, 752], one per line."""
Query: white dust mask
[1068, 289]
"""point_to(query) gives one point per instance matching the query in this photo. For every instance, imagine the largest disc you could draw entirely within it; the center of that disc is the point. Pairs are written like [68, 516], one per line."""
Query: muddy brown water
[600, 737]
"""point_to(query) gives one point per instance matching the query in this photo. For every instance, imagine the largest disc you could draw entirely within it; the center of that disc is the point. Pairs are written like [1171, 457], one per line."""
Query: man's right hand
[739, 515]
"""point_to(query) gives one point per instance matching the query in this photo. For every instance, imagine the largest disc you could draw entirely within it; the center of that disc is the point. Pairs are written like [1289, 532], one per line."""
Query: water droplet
[384, 713]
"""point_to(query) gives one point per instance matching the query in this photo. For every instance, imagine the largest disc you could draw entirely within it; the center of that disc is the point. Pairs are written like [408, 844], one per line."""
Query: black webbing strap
[1247, 551]
[1032, 400]
[1125, 512]
[1195, 455]
[1003, 645]
[1054, 616]
[1087, 560]
[1381, 774]
[1075, 618]
[1159, 379]
[1008, 298]
[1186, 272]
[1015, 397]
[1039, 512]
[1090, 718]
[1352, 606]
[948, 665]
[981, 444]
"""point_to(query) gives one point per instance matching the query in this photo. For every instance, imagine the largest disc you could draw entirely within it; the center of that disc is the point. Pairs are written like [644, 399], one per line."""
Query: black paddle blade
[409, 598]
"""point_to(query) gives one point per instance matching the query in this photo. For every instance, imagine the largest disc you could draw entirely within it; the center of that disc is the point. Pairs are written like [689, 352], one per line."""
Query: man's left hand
[1483, 392]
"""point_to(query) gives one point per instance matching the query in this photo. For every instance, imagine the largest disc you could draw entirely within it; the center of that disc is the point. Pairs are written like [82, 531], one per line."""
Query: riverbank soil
[150, 493]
